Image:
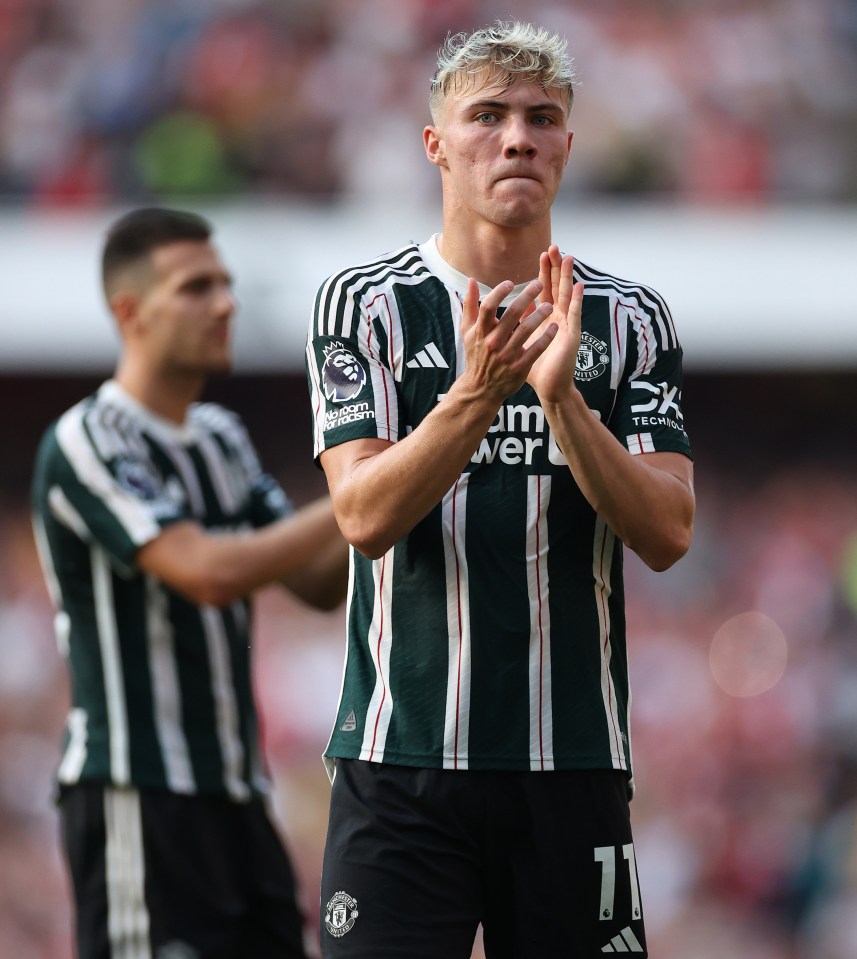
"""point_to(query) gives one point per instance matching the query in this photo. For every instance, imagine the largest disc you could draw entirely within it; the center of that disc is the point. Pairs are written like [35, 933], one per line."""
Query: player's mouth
[516, 175]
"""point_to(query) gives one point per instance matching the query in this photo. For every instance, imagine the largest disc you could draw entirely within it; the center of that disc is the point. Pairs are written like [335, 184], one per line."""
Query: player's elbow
[665, 536]
[667, 550]
[372, 547]
[371, 551]
[368, 536]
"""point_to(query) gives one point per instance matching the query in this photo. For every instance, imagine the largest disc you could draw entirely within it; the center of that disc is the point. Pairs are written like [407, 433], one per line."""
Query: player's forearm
[323, 581]
[219, 568]
[650, 508]
[382, 496]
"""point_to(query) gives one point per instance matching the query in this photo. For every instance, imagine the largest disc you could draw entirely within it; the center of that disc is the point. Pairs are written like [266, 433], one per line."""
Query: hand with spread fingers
[501, 352]
[552, 373]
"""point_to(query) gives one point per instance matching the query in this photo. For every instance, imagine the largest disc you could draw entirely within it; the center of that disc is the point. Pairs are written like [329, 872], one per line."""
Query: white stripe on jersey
[67, 515]
[217, 419]
[541, 703]
[618, 344]
[221, 479]
[648, 300]
[166, 690]
[111, 664]
[349, 596]
[62, 621]
[456, 311]
[457, 720]
[366, 278]
[384, 391]
[374, 283]
[649, 315]
[647, 342]
[226, 709]
[185, 468]
[124, 429]
[602, 559]
[257, 774]
[380, 641]
[127, 913]
[384, 306]
[74, 757]
[640, 443]
[316, 401]
[93, 474]
[618, 333]
[107, 442]
[115, 433]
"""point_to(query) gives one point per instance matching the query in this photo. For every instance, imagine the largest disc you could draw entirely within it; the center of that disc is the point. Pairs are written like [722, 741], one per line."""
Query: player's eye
[199, 285]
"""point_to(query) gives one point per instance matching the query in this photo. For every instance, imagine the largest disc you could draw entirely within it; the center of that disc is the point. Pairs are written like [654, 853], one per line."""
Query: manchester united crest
[340, 914]
[592, 357]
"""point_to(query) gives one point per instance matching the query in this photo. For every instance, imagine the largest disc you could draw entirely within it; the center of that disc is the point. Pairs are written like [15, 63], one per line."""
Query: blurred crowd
[744, 674]
[743, 657]
[704, 101]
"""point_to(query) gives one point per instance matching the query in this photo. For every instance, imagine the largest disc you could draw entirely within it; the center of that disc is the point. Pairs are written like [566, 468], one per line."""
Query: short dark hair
[137, 233]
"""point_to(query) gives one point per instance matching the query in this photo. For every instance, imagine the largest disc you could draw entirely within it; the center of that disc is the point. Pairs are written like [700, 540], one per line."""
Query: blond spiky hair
[514, 50]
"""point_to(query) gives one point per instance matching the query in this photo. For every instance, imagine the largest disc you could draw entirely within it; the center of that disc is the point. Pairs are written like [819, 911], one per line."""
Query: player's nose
[519, 139]
[225, 301]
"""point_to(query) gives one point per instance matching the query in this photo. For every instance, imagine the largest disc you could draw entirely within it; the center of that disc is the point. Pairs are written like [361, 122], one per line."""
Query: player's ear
[124, 304]
[433, 143]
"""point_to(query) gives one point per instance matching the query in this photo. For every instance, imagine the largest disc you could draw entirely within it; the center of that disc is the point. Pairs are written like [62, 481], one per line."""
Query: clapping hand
[501, 352]
[552, 373]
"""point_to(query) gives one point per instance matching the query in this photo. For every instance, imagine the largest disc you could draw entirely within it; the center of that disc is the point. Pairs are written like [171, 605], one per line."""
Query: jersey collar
[452, 277]
[113, 393]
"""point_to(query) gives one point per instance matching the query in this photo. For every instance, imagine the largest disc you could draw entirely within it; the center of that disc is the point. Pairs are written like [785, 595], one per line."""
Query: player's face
[502, 149]
[185, 314]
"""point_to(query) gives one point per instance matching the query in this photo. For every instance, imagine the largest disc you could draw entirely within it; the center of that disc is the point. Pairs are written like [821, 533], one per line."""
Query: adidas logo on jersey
[626, 941]
[428, 358]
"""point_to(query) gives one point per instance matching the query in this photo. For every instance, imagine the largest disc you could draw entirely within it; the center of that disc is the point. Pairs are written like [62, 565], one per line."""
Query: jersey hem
[665, 447]
[255, 790]
[482, 764]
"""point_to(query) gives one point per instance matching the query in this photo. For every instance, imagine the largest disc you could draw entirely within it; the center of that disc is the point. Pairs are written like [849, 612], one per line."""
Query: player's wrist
[479, 393]
[564, 398]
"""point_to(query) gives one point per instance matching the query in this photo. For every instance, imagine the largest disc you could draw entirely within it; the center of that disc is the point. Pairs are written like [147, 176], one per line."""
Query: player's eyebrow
[548, 106]
[206, 278]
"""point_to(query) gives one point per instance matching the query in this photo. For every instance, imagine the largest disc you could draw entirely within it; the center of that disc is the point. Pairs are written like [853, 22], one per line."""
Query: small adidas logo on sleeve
[626, 941]
[428, 358]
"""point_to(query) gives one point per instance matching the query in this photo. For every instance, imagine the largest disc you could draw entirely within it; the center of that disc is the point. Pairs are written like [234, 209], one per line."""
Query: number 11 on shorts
[606, 855]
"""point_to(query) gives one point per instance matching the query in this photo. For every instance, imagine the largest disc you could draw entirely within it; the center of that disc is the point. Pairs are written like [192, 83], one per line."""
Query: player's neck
[492, 254]
[166, 394]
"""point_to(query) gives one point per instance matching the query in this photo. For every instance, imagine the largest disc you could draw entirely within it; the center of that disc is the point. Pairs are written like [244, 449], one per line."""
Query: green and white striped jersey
[492, 636]
[161, 687]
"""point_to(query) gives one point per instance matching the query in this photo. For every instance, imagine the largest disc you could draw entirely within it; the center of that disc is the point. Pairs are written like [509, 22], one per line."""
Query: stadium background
[715, 158]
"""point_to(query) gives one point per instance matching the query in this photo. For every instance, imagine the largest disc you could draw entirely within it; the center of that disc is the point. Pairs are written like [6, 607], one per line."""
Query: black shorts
[417, 858]
[162, 876]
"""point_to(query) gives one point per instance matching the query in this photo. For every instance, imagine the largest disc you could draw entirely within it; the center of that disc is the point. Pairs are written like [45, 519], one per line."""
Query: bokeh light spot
[748, 654]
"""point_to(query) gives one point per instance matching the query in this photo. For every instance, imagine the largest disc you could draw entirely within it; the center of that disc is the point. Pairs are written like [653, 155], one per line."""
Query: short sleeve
[352, 387]
[120, 502]
[648, 416]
